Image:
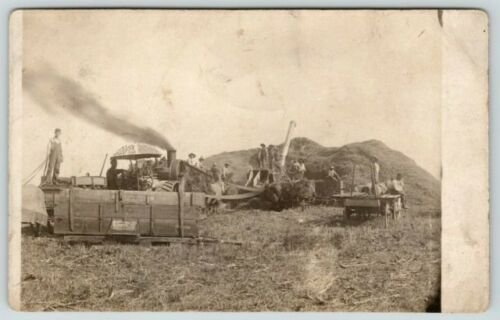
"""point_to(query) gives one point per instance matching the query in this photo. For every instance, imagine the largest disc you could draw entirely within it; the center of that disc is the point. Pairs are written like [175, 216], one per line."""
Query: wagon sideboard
[79, 211]
[364, 200]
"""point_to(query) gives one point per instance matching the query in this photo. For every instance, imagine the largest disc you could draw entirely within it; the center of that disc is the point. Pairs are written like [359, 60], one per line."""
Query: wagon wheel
[35, 228]
[347, 213]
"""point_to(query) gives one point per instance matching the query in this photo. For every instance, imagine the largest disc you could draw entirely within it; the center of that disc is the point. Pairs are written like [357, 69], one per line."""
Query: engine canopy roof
[136, 151]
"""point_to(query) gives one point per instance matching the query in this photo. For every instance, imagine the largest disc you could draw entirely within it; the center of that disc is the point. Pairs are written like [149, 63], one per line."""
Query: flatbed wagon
[365, 205]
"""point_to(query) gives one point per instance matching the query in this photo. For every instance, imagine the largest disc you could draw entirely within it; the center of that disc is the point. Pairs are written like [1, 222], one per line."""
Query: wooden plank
[90, 195]
[132, 210]
[84, 238]
[243, 196]
[99, 218]
[181, 195]
[362, 203]
[250, 189]
[70, 210]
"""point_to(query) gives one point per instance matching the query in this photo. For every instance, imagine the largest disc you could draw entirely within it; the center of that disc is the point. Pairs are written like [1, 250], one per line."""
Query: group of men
[268, 157]
[217, 174]
[191, 160]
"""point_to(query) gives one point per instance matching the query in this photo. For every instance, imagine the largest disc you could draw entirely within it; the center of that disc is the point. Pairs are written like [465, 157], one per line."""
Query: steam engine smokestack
[171, 157]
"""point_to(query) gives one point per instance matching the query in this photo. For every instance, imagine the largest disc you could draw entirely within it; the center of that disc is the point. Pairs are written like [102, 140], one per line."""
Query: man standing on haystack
[271, 154]
[262, 156]
[302, 169]
[55, 157]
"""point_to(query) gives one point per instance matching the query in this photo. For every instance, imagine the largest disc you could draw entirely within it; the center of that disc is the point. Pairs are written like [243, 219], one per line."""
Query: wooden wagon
[365, 205]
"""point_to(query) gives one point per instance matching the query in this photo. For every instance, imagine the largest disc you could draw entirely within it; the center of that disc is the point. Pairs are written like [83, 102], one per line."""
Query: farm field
[292, 260]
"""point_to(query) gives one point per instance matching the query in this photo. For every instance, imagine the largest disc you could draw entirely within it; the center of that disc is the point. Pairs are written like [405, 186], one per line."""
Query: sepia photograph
[229, 160]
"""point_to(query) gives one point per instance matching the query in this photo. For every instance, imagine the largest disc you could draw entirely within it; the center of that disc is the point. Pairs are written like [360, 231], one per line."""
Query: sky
[214, 81]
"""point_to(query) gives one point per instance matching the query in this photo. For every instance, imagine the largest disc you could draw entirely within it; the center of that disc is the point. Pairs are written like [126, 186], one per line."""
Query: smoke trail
[54, 92]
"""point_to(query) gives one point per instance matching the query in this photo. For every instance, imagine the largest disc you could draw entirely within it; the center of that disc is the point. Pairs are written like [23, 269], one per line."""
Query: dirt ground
[293, 260]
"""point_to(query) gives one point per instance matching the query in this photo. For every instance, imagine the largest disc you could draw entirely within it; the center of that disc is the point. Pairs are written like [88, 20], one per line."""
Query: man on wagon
[262, 156]
[55, 157]
[112, 175]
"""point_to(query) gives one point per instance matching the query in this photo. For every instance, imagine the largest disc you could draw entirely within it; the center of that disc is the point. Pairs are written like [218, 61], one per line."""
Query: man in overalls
[55, 158]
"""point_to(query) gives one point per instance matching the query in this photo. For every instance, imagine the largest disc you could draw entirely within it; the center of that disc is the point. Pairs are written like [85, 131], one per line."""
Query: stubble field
[293, 260]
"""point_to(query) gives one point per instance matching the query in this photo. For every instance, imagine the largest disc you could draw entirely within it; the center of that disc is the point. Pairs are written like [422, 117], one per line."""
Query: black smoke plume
[55, 93]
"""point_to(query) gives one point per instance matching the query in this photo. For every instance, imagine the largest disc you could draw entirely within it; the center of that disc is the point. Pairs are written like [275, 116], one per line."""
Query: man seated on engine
[112, 175]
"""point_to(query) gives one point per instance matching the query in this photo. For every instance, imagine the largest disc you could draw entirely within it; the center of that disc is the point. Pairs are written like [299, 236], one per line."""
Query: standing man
[112, 175]
[262, 156]
[302, 169]
[226, 172]
[200, 163]
[216, 175]
[272, 156]
[398, 187]
[55, 158]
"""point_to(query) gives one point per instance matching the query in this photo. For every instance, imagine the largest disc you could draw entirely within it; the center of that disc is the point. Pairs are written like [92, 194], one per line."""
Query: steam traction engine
[150, 205]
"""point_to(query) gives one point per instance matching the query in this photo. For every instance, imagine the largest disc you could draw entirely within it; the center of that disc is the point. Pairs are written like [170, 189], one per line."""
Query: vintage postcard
[249, 160]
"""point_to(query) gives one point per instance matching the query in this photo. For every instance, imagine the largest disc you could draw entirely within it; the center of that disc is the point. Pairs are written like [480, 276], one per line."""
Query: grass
[290, 261]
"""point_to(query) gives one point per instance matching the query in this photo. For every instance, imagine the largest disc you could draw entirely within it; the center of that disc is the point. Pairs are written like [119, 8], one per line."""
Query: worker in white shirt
[398, 187]
[302, 169]
[333, 174]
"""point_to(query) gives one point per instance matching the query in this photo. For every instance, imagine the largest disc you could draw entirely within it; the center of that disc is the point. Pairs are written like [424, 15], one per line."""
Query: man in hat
[262, 156]
[112, 175]
[55, 158]
[192, 160]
